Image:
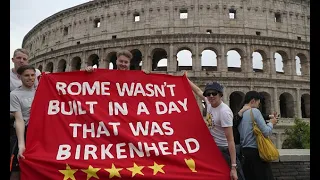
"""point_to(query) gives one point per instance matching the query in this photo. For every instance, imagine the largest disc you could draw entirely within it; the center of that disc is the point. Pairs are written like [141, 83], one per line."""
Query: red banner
[118, 124]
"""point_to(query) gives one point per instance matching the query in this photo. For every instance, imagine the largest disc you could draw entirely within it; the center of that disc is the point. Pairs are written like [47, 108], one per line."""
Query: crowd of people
[232, 133]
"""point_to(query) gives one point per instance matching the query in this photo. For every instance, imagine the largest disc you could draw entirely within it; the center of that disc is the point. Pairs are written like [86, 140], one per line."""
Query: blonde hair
[125, 53]
[22, 50]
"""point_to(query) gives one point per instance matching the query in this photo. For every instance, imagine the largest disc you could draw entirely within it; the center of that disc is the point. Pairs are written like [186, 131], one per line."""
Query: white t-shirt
[218, 118]
[16, 82]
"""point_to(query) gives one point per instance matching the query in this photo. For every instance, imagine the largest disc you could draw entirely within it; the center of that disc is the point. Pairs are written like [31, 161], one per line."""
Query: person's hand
[20, 152]
[274, 115]
[47, 72]
[184, 72]
[233, 174]
[243, 109]
[274, 121]
[146, 71]
[89, 69]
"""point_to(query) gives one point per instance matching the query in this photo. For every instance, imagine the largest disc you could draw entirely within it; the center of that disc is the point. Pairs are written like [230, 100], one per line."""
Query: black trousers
[226, 155]
[254, 168]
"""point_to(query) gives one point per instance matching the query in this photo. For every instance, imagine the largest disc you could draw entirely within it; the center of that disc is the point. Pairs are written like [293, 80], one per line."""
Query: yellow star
[156, 168]
[68, 173]
[136, 169]
[91, 172]
[114, 171]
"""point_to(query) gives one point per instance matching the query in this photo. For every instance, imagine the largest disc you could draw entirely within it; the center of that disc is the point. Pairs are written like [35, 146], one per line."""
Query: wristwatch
[234, 165]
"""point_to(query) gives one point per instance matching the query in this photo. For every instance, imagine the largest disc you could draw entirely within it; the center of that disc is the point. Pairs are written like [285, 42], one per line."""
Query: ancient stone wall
[117, 18]
[153, 30]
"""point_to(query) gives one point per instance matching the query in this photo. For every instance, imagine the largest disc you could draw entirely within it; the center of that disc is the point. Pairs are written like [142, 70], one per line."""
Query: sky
[25, 14]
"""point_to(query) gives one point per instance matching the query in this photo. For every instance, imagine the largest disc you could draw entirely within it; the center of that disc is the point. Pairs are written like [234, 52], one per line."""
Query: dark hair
[252, 95]
[23, 68]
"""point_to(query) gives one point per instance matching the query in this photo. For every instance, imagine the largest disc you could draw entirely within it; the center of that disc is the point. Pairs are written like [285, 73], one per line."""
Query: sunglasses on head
[211, 93]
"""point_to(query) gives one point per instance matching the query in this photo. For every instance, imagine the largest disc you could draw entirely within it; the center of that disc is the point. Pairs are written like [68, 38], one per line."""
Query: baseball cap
[213, 86]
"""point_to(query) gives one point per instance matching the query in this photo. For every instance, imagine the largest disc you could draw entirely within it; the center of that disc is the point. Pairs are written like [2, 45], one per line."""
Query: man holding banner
[20, 103]
[118, 125]
[123, 61]
[219, 121]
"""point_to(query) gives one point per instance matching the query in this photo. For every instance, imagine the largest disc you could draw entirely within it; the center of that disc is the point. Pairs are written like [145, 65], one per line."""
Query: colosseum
[156, 32]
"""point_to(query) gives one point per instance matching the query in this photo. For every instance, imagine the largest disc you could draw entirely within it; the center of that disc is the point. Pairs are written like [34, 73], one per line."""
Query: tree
[298, 135]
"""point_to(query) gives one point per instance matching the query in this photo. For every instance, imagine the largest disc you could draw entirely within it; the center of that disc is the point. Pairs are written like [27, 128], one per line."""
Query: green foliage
[298, 136]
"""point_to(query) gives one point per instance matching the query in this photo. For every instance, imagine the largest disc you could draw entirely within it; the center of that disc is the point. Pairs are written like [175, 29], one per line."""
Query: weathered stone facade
[92, 32]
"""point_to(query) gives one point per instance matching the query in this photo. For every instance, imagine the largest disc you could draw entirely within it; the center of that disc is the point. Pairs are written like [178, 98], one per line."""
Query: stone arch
[304, 64]
[40, 68]
[209, 59]
[136, 60]
[62, 64]
[263, 50]
[183, 47]
[286, 105]
[283, 61]
[49, 67]
[154, 48]
[305, 106]
[264, 64]
[76, 63]
[159, 55]
[92, 60]
[239, 50]
[265, 103]
[283, 53]
[233, 63]
[215, 49]
[111, 60]
[236, 101]
[185, 53]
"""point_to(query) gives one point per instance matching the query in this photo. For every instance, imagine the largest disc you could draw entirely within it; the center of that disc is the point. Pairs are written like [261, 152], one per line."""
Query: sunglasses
[211, 93]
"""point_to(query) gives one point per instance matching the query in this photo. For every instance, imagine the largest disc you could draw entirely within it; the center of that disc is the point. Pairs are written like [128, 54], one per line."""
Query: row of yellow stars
[113, 171]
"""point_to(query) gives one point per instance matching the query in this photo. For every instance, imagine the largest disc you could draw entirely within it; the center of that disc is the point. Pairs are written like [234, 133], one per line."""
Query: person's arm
[196, 89]
[20, 128]
[266, 129]
[238, 116]
[243, 109]
[226, 123]
[15, 109]
[88, 69]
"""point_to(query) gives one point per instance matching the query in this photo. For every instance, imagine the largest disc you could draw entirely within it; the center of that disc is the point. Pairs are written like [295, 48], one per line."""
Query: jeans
[226, 155]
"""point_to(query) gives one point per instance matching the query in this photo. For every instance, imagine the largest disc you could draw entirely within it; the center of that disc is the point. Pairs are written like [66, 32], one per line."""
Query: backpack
[236, 135]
